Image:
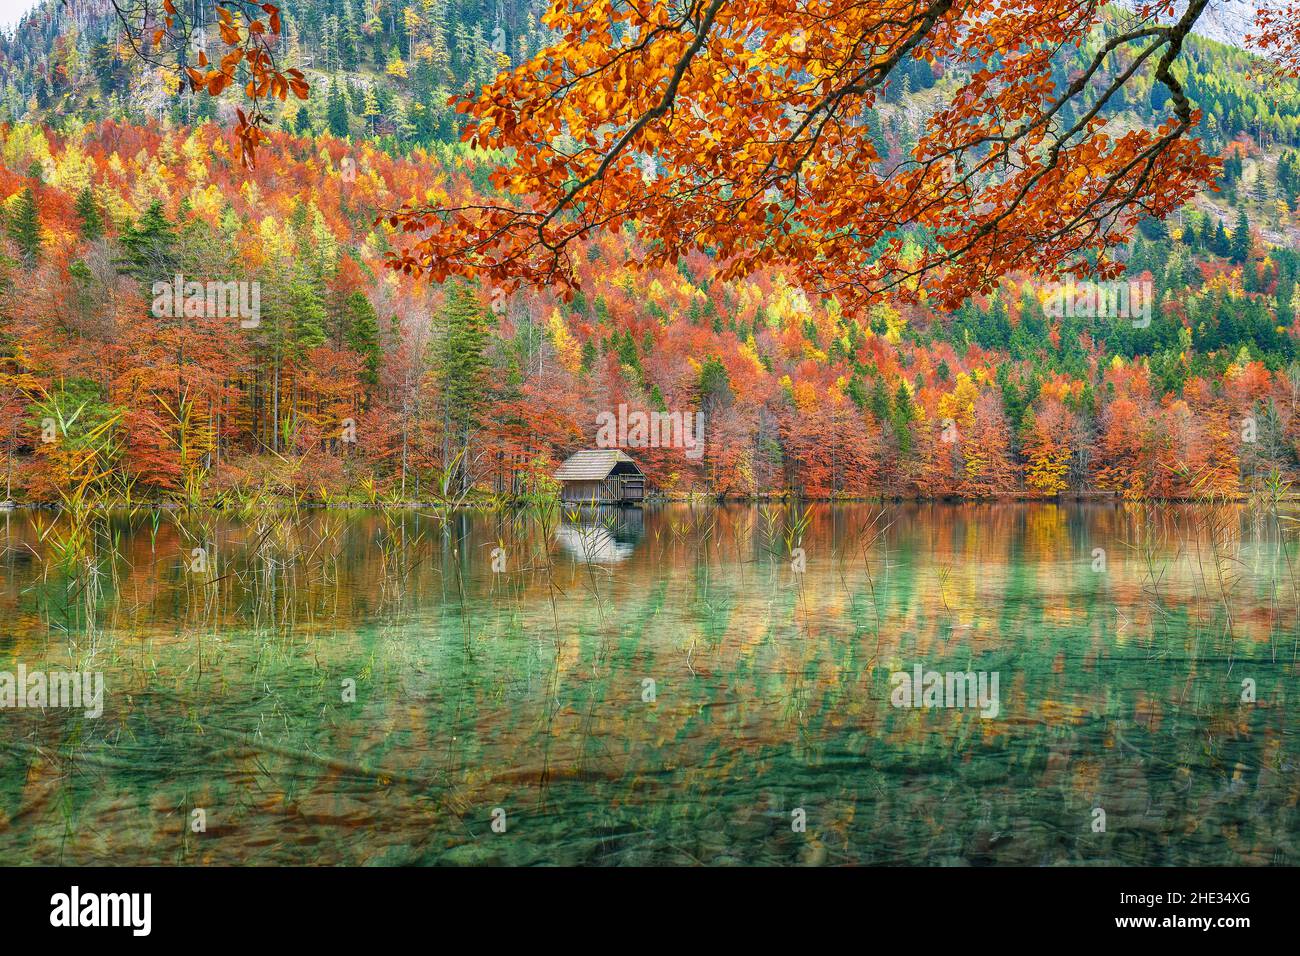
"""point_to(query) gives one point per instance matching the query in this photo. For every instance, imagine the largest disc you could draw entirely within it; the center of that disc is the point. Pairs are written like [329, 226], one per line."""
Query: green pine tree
[879, 402]
[903, 415]
[1221, 245]
[460, 371]
[150, 247]
[627, 355]
[362, 334]
[309, 316]
[25, 227]
[1240, 250]
[92, 223]
[1260, 190]
[715, 384]
[336, 111]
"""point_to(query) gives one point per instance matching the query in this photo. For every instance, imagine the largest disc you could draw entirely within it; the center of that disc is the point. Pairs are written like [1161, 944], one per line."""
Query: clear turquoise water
[525, 691]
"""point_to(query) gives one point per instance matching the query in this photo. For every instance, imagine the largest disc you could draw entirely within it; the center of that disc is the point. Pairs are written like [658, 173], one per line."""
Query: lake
[676, 684]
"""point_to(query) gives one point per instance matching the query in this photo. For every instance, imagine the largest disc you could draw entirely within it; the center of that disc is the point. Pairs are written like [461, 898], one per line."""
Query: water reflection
[658, 685]
[601, 535]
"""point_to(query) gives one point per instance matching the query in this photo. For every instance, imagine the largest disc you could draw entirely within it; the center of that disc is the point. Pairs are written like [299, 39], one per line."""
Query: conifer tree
[25, 227]
[460, 371]
[361, 330]
[24, 222]
[1221, 245]
[1240, 249]
[370, 112]
[150, 247]
[903, 415]
[337, 111]
[92, 222]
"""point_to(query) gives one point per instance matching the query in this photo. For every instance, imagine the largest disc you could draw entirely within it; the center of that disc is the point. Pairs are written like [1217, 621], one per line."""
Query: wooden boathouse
[601, 476]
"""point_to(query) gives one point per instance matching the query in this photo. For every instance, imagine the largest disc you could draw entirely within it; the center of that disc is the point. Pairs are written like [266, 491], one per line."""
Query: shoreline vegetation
[495, 503]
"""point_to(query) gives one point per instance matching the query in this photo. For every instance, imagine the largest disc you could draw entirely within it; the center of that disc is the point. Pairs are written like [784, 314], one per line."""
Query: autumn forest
[378, 368]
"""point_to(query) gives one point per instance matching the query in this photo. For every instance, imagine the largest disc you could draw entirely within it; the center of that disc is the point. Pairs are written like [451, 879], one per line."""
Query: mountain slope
[466, 390]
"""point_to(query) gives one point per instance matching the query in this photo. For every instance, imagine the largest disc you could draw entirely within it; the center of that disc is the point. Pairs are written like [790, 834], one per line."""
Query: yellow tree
[1046, 447]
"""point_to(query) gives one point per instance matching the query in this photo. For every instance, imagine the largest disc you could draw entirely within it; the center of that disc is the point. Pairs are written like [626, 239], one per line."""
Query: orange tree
[746, 130]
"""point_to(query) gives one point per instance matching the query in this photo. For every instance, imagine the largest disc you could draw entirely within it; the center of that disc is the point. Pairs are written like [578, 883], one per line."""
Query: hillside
[357, 381]
[382, 70]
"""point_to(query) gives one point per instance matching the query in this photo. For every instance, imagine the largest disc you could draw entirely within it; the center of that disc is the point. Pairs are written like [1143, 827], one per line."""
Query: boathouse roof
[592, 464]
